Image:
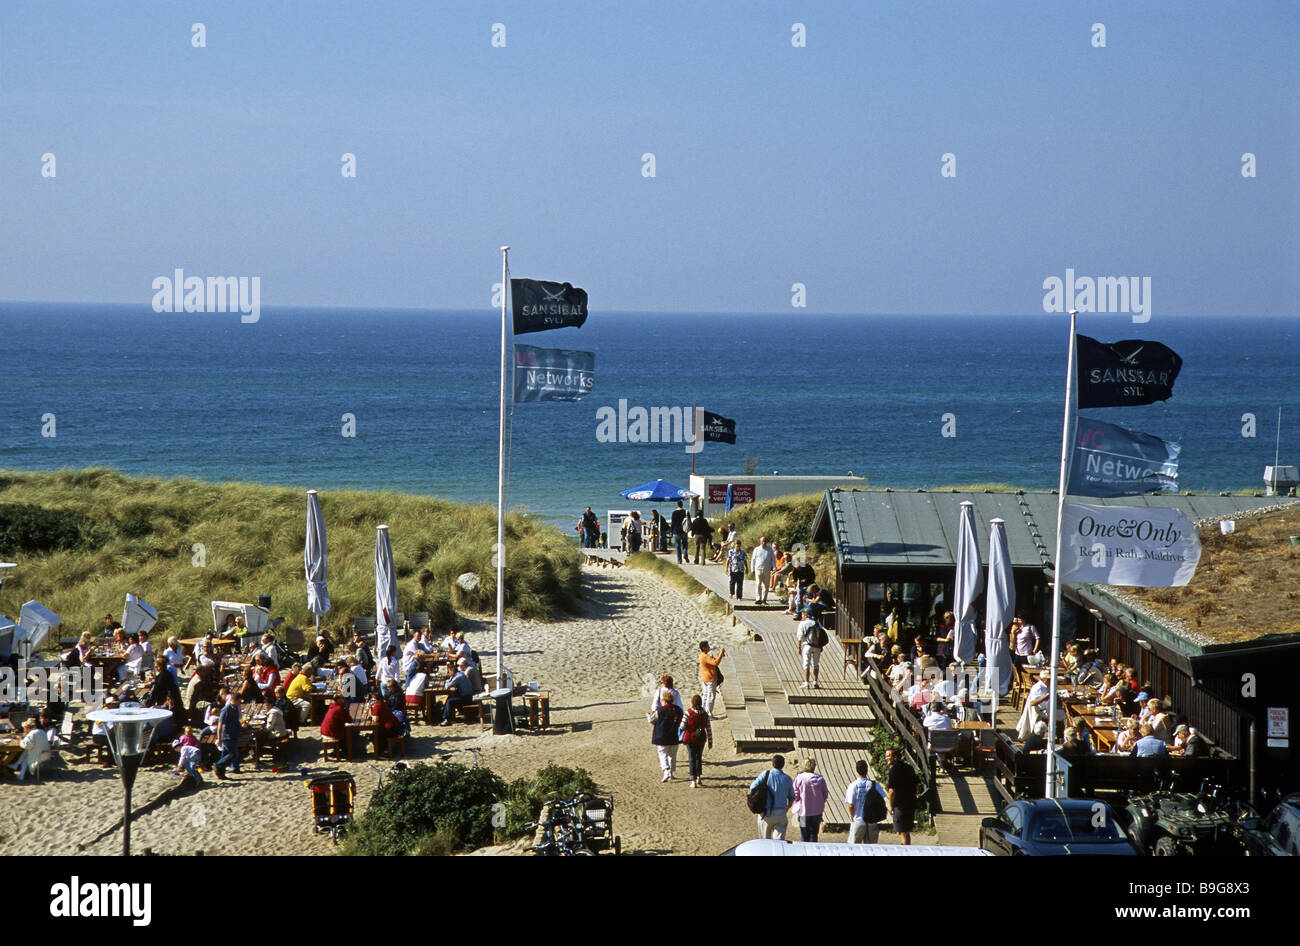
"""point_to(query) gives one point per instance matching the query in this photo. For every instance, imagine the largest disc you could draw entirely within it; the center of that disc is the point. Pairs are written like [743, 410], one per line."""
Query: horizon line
[742, 312]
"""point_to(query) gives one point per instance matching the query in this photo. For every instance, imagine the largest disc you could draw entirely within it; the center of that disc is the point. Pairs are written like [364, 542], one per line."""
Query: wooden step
[831, 737]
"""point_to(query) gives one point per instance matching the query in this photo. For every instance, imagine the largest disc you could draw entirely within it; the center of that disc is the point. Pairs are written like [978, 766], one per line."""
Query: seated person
[937, 717]
[1195, 745]
[1073, 748]
[362, 651]
[134, 654]
[390, 668]
[240, 630]
[248, 690]
[1149, 744]
[475, 677]
[175, 659]
[1090, 672]
[286, 676]
[462, 692]
[349, 686]
[462, 649]
[387, 725]
[358, 671]
[299, 693]
[51, 729]
[1127, 738]
[276, 724]
[269, 650]
[1037, 742]
[266, 676]
[900, 674]
[335, 724]
[920, 648]
[321, 650]
[286, 707]
[36, 749]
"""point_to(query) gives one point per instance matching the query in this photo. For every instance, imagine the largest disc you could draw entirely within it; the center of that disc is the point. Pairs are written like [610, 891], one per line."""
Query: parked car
[1054, 827]
[1277, 833]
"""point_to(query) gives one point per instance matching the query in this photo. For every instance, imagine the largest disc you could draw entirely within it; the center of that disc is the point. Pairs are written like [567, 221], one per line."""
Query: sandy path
[633, 627]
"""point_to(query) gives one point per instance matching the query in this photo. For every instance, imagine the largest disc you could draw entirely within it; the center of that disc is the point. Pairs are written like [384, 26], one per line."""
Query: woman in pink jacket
[810, 794]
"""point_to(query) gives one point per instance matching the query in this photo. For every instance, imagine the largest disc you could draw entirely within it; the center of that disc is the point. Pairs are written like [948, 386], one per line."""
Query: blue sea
[207, 396]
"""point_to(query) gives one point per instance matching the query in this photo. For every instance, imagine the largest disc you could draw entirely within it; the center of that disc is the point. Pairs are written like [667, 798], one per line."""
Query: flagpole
[501, 480]
[1067, 445]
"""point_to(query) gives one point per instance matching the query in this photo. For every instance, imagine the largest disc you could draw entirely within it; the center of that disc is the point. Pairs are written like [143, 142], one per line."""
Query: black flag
[718, 429]
[539, 305]
[1125, 374]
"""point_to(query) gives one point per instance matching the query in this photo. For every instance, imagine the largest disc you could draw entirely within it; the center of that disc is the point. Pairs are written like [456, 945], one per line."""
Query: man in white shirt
[762, 561]
[809, 633]
[936, 718]
[860, 831]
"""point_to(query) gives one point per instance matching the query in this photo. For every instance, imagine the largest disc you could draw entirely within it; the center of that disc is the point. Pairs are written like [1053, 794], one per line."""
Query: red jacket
[383, 715]
[335, 722]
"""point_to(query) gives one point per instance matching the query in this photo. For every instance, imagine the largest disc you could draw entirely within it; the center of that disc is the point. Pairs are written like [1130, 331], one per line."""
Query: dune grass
[786, 520]
[85, 538]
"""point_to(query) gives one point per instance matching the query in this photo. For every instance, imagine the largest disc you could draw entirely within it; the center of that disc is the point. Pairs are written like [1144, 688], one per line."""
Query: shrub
[526, 796]
[427, 808]
[33, 529]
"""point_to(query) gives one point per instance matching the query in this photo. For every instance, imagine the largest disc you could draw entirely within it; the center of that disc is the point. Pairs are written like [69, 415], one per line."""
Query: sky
[774, 164]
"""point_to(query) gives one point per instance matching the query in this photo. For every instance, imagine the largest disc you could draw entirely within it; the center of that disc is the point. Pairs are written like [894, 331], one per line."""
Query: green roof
[882, 528]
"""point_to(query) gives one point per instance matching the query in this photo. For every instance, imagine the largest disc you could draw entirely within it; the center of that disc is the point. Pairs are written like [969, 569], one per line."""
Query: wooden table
[222, 645]
[10, 750]
[1105, 729]
[431, 694]
[361, 723]
[538, 703]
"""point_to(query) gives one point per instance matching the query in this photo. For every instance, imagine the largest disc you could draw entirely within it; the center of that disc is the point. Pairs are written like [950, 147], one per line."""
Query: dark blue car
[1048, 826]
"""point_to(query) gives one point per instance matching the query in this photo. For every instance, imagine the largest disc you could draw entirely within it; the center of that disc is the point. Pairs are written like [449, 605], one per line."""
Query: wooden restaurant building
[897, 549]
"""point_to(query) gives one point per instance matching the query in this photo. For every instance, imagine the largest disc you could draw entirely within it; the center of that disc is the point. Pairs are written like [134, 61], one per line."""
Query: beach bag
[873, 809]
[757, 798]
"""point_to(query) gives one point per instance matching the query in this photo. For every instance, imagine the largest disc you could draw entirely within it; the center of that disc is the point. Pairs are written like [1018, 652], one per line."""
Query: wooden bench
[328, 745]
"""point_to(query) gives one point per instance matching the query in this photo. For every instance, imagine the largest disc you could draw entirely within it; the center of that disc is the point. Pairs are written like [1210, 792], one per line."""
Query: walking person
[634, 530]
[667, 720]
[710, 675]
[678, 523]
[702, 532]
[810, 638]
[736, 563]
[867, 804]
[901, 795]
[590, 529]
[775, 817]
[696, 732]
[763, 563]
[228, 737]
[810, 796]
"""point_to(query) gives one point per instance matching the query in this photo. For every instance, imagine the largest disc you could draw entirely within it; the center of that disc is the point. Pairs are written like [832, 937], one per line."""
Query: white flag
[1142, 546]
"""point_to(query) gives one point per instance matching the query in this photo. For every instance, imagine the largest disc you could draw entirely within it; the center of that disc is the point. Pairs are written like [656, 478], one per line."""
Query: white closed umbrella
[385, 592]
[969, 584]
[314, 559]
[1000, 607]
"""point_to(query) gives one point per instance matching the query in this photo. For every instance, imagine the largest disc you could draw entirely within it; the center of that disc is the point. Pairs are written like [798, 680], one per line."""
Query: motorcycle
[1166, 823]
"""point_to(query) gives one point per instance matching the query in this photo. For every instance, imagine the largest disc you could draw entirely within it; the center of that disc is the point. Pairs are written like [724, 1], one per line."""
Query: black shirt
[700, 526]
[902, 782]
[679, 520]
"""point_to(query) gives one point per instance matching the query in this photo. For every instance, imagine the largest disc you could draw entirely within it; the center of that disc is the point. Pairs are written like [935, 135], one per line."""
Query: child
[189, 761]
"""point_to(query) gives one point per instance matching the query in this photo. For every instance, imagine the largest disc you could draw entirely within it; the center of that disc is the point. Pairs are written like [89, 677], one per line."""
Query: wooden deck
[769, 712]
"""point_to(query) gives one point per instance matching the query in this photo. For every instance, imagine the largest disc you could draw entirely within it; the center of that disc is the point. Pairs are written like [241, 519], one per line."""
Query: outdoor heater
[130, 730]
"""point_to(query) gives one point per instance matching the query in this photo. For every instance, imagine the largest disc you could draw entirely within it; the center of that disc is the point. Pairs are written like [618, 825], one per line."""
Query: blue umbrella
[660, 491]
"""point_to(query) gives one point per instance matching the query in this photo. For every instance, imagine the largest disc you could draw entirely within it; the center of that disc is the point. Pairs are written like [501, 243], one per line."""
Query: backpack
[816, 636]
[873, 809]
[757, 798]
[692, 732]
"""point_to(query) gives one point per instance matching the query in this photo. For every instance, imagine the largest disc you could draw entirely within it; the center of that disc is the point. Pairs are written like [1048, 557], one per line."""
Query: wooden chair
[328, 745]
[415, 706]
[363, 626]
[397, 742]
[852, 655]
[942, 744]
